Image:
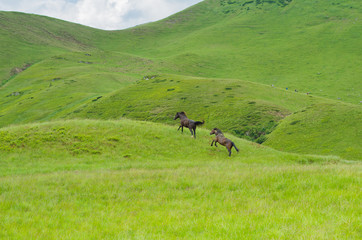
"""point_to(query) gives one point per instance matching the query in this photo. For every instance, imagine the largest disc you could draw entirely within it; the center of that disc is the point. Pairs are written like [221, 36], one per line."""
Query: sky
[102, 14]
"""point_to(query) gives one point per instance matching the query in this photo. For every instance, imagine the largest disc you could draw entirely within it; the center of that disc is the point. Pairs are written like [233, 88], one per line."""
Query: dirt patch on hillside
[17, 70]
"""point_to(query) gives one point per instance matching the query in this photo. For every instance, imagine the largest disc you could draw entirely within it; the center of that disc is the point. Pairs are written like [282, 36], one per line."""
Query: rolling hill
[228, 62]
[89, 148]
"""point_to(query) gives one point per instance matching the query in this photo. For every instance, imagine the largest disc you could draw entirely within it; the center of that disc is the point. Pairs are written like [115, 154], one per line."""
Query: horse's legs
[191, 131]
[213, 142]
[194, 132]
[179, 127]
[229, 149]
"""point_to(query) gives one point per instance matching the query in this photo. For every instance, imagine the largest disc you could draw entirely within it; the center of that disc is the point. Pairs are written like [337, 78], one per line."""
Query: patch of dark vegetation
[96, 99]
[233, 6]
[230, 96]
[170, 89]
[70, 82]
[159, 81]
[295, 122]
[86, 62]
[113, 139]
[228, 88]
[197, 86]
[183, 98]
[56, 79]
[252, 102]
[256, 133]
[206, 106]
[58, 58]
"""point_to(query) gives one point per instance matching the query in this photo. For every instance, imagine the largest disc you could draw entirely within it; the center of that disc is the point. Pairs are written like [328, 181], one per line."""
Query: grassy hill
[305, 45]
[323, 128]
[75, 163]
[128, 179]
[240, 56]
[27, 39]
[298, 122]
[311, 46]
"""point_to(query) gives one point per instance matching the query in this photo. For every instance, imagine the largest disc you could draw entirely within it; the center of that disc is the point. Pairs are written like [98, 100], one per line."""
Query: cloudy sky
[103, 14]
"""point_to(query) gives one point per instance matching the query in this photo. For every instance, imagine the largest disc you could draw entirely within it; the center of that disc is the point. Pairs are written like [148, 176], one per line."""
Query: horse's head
[176, 116]
[179, 114]
[214, 131]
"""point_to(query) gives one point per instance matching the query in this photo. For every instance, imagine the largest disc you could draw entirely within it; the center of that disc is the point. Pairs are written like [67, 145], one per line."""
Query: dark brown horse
[185, 122]
[219, 138]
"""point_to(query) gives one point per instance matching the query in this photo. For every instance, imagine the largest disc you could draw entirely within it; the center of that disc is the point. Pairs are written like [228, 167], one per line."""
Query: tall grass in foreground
[131, 180]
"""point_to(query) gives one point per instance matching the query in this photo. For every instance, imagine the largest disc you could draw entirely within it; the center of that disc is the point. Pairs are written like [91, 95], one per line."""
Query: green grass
[218, 61]
[309, 46]
[241, 108]
[57, 85]
[127, 179]
[304, 45]
[324, 128]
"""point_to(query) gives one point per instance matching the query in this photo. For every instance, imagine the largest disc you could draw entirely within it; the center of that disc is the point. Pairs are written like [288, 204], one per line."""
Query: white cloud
[104, 14]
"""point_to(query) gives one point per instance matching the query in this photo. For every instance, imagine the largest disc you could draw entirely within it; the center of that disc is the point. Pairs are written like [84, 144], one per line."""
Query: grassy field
[129, 180]
[89, 148]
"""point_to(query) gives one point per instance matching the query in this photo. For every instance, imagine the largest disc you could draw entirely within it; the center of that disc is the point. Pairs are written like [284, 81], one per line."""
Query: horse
[220, 138]
[185, 122]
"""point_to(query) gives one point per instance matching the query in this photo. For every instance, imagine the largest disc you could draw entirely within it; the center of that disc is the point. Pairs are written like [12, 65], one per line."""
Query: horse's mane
[218, 131]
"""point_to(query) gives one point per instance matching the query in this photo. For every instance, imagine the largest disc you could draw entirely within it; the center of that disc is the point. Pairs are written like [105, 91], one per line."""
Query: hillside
[311, 46]
[27, 39]
[298, 122]
[243, 66]
[89, 148]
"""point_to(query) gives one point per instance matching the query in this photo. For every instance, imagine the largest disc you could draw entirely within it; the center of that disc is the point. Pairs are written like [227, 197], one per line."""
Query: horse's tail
[235, 147]
[199, 123]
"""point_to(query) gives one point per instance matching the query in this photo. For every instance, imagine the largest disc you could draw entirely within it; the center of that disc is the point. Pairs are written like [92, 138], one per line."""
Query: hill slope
[27, 39]
[298, 122]
[311, 46]
[52, 69]
[306, 45]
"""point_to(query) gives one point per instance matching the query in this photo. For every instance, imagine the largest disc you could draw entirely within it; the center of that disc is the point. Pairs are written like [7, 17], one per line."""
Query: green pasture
[129, 180]
[89, 148]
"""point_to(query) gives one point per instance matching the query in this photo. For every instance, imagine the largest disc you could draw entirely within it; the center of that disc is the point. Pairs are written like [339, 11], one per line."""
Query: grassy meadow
[89, 148]
[130, 180]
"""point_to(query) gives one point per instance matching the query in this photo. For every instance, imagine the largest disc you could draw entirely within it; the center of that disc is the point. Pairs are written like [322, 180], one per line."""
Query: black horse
[185, 122]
